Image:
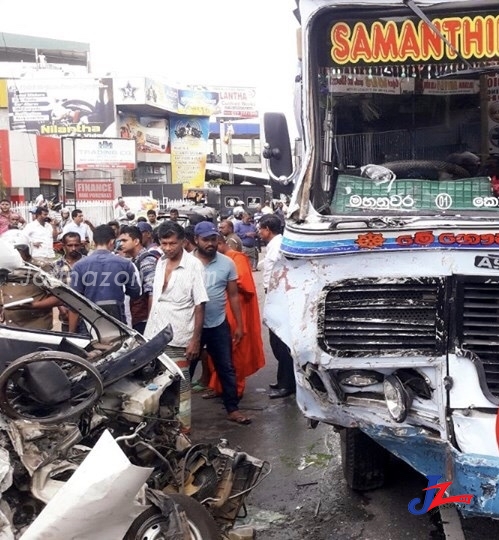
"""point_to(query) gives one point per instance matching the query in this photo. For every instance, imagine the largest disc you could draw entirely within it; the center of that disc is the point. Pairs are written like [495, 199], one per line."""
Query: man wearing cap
[221, 285]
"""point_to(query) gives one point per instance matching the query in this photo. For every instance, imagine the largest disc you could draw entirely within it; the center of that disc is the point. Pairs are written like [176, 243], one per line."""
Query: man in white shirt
[270, 232]
[267, 208]
[178, 298]
[121, 211]
[42, 232]
[79, 225]
[40, 201]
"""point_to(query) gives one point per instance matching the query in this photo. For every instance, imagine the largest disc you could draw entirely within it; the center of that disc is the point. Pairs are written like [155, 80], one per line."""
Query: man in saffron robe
[248, 356]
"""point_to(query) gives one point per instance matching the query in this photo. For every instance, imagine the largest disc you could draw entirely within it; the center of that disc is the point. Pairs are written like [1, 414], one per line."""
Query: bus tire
[364, 461]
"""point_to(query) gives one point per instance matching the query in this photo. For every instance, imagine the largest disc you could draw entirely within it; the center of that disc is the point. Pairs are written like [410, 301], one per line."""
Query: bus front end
[387, 291]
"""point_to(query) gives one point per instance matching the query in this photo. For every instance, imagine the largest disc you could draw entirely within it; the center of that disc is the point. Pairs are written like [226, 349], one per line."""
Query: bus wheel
[364, 460]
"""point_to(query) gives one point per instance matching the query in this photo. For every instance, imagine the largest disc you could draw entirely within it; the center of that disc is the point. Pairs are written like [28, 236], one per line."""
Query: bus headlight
[398, 398]
[359, 378]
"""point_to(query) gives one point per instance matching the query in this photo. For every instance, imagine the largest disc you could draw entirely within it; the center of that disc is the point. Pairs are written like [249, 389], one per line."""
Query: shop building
[52, 98]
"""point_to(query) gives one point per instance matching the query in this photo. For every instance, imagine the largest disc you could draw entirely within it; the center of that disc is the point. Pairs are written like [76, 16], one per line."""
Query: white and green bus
[387, 291]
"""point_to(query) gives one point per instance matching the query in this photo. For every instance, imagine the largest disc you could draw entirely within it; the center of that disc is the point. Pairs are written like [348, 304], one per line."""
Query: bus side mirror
[277, 149]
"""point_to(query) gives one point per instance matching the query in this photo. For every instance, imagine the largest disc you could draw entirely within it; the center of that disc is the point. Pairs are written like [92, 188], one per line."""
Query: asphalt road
[305, 496]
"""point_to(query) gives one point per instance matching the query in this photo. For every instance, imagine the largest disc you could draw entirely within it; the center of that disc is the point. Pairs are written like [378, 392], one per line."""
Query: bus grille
[405, 317]
[478, 327]
[374, 317]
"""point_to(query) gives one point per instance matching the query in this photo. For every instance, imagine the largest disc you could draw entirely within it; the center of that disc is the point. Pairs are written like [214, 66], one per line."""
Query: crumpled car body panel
[137, 407]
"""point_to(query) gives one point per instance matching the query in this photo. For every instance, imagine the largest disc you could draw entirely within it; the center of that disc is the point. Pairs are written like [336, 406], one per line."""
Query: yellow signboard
[4, 96]
[475, 37]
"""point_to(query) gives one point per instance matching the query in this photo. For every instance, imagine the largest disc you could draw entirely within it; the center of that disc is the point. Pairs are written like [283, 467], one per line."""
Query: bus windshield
[415, 135]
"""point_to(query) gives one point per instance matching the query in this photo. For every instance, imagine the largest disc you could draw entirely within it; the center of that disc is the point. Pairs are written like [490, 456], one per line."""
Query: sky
[205, 42]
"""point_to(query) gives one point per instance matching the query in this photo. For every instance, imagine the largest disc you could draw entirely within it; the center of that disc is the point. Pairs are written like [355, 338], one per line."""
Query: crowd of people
[149, 274]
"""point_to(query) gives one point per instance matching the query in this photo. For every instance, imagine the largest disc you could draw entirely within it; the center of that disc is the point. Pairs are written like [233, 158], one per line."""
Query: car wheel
[364, 461]
[153, 525]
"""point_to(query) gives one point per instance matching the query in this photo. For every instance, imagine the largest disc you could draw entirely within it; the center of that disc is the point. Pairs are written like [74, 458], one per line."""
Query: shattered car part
[61, 393]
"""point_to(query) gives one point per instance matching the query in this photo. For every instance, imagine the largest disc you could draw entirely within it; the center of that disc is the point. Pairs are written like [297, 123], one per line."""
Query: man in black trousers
[270, 227]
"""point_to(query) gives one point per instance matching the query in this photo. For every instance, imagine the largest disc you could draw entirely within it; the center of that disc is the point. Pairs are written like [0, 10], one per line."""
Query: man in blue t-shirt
[221, 285]
[104, 277]
[246, 230]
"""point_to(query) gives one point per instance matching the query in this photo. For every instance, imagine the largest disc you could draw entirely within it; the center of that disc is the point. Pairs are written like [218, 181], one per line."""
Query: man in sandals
[178, 298]
[221, 284]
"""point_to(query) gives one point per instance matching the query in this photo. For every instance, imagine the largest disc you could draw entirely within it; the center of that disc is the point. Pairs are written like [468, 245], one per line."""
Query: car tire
[148, 525]
[364, 461]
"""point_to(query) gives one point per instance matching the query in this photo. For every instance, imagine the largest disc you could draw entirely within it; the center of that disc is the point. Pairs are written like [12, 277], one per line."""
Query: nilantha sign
[104, 154]
[476, 37]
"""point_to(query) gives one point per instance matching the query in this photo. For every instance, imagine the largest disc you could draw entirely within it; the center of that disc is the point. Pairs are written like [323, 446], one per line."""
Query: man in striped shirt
[145, 261]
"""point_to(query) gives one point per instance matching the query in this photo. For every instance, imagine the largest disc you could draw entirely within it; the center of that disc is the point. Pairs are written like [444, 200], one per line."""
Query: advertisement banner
[145, 91]
[83, 107]
[235, 101]
[150, 134]
[94, 190]
[160, 95]
[171, 98]
[370, 84]
[197, 102]
[189, 145]
[450, 86]
[104, 154]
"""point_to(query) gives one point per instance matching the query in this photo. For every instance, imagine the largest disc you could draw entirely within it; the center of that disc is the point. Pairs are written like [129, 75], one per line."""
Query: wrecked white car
[89, 444]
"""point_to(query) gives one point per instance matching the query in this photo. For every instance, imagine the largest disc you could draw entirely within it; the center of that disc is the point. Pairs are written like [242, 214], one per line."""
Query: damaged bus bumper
[391, 356]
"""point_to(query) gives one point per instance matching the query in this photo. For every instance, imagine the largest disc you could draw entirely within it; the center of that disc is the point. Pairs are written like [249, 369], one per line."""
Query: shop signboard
[62, 106]
[104, 154]
[236, 101]
[94, 190]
